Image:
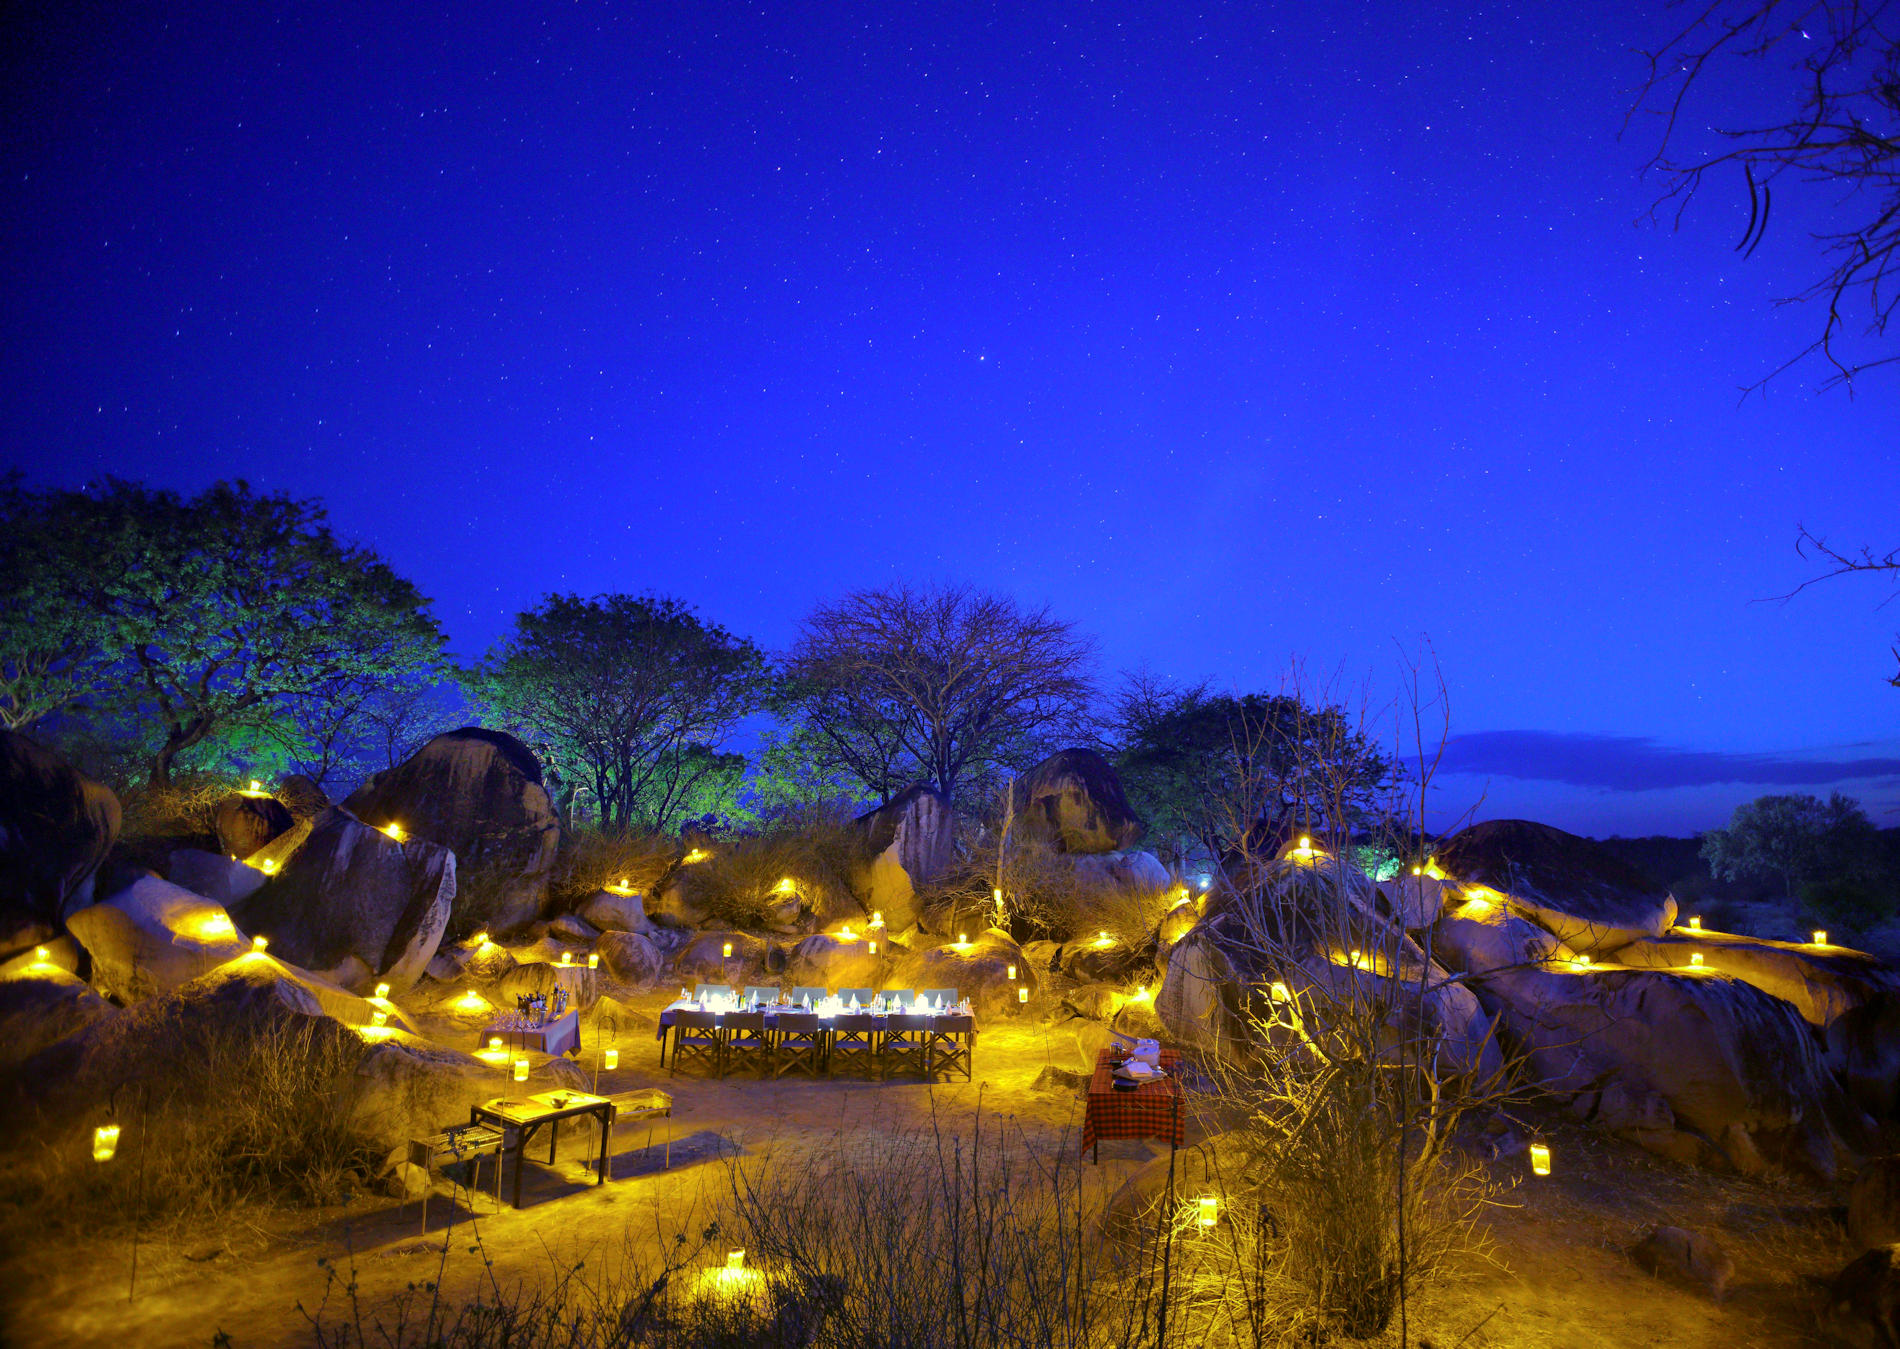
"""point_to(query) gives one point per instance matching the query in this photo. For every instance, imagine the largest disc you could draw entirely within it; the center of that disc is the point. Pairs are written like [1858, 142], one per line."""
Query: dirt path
[1567, 1280]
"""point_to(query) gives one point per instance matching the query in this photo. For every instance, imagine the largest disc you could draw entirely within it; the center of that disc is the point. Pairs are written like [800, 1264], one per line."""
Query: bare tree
[1842, 60]
[1812, 547]
[938, 683]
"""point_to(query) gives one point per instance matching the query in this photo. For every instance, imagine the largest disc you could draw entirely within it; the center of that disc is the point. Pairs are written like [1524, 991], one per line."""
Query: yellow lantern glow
[471, 1001]
[1583, 962]
[847, 933]
[593, 960]
[1210, 1210]
[728, 950]
[567, 957]
[1695, 922]
[1022, 994]
[382, 991]
[259, 943]
[1012, 972]
[1820, 936]
[40, 957]
[394, 830]
[269, 866]
[1695, 960]
[610, 1059]
[996, 896]
[877, 918]
[1278, 992]
[1103, 939]
[1540, 1159]
[256, 786]
[735, 1259]
[1306, 844]
[785, 886]
[379, 1018]
[481, 939]
[696, 855]
[1141, 994]
[105, 1142]
[623, 884]
[494, 1044]
[873, 948]
[521, 1070]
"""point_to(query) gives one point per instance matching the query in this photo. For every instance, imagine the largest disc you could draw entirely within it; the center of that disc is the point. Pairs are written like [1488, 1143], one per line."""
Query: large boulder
[302, 797]
[153, 937]
[825, 961]
[350, 894]
[612, 911]
[214, 875]
[1594, 901]
[1738, 1069]
[630, 958]
[246, 821]
[56, 827]
[1479, 936]
[1416, 901]
[910, 842]
[978, 970]
[1074, 802]
[704, 959]
[1873, 1203]
[479, 794]
[1863, 1050]
[42, 1004]
[1133, 873]
[1820, 982]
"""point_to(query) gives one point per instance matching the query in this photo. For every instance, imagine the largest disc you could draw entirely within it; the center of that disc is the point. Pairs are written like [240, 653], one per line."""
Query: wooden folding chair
[854, 1043]
[803, 991]
[798, 1043]
[952, 1044]
[905, 1046]
[863, 995]
[746, 1043]
[900, 997]
[701, 992]
[697, 1036]
[933, 996]
[766, 995]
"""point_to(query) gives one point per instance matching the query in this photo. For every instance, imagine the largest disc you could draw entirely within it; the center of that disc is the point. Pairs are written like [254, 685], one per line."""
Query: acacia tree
[893, 685]
[211, 612]
[56, 638]
[1186, 755]
[1840, 62]
[627, 697]
[1795, 839]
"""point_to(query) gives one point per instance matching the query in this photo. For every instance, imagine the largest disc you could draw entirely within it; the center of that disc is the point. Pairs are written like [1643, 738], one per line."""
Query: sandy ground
[1563, 1279]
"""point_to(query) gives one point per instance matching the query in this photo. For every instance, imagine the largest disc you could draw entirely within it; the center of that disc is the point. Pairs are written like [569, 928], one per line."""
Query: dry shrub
[818, 851]
[255, 1111]
[592, 859]
[1047, 895]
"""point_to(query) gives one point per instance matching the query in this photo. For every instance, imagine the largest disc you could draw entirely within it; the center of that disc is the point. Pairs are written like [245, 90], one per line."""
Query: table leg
[554, 1136]
[606, 1128]
[521, 1152]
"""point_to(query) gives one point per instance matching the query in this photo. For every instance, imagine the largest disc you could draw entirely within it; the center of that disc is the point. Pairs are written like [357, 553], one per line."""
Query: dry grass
[212, 1118]
[592, 859]
[735, 885]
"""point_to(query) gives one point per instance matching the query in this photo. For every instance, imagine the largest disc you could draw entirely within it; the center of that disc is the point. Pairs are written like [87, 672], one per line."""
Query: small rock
[1689, 1256]
[1864, 1301]
[572, 927]
[1063, 1081]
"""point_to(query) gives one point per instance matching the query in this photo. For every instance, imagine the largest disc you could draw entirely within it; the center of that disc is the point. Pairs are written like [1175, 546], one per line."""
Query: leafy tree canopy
[1794, 839]
[626, 698]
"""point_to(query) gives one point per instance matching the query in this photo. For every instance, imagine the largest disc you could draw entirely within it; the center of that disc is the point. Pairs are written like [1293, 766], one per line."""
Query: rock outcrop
[56, 827]
[909, 843]
[213, 875]
[154, 937]
[1074, 802]
[1593, 901]
[1820, 982]
[630, 958]
[352, 893]
[824, 961]
[611, 911]
[246, 821]
[479, 794]
[978, 970]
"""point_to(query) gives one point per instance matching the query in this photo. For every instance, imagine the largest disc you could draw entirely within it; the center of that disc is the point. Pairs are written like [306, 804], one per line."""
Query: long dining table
[956, 1024]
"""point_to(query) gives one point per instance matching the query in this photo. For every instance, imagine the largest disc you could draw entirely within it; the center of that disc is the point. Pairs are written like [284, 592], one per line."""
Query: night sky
[1234, 333]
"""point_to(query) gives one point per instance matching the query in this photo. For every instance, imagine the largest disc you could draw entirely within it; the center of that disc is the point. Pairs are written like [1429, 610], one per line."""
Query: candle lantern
[269, 866]
[873, 948]
[1695, 960]
[1540, 1159]
[1210, 1210]
[394, 830]
[256, 786]
[1583, 962]
[1820, 936]
[1695, 923]
[728, 950]
[593, 960]
[259, 943]
[494, 1044]
[1278, 992]
[481, 939]
[735, 1259]
[567, 957]
[1012, 972]
[40, 956]
[379, 1019]
[877, 918]
[1022, 994]
[105, 1142]
[610, 1059]
[521, 1070]
[382, 991]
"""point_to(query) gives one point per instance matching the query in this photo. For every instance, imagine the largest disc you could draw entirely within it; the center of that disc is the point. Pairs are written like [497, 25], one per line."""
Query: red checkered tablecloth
[1152, 1110]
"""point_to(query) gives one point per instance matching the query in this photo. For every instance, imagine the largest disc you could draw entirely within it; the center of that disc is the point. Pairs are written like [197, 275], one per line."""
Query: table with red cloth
[1151, 1110]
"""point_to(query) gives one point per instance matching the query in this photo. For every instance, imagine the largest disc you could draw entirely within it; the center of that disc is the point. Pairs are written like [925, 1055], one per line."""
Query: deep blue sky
[1235, 333]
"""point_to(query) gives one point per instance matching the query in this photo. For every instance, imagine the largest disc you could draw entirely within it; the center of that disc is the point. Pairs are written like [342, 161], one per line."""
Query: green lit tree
[627, 699]
[56, 637]
[200, 618]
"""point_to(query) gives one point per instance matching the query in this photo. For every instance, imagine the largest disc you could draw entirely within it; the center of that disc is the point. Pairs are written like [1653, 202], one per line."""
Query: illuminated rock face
[153, 937]
[909, 842]
[1074, 801]
[56, 827]
[477, 793]
[245, 823]
[352, 892]
[1594, 902]
[630, 958]
[979, 972]
[1821, 983]
[213, 875]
